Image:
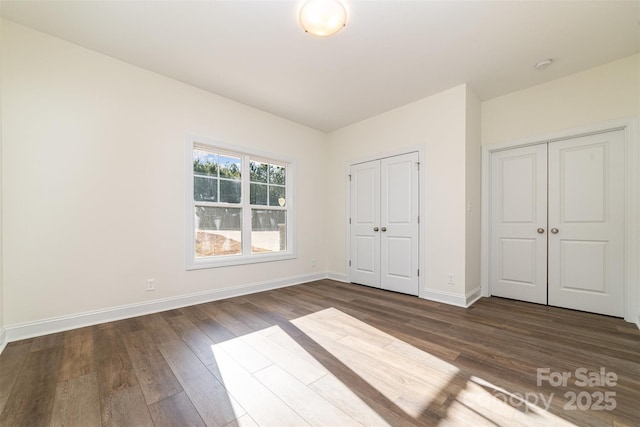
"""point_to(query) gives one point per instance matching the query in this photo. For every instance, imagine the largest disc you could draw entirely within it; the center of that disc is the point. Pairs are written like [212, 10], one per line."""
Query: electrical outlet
[452, 279]
[151, 284]
[313, 262]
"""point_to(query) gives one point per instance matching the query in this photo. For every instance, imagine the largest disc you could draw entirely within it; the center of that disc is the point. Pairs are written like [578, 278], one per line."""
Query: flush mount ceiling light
[541, 65]
[322, 17]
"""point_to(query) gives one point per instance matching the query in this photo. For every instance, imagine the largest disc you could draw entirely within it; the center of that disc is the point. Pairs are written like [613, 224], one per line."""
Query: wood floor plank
[197, 340]
[216, 311]
[206, 392]
[127, 326]
[46, 342]
[214, 330]
[244, 354]
[372, 396]
[351, 326]
[378, 367]
[308, 322]
[126, 408]
[31, 400]
[301, 369]
[289, 343]
[175, 411]
[273, 318]
[77, 354]
[158, 328]
[341, 396]
[11, 361]
[111, 361]
[367, 368]
[302, 306]
[311, 406]
[416, 338]
[243, 312]
[155, 377]
[243, 421]
[414, 356]
[76, 402]
[193, 314]
[263, 406]
[423, 367]
[272, 305]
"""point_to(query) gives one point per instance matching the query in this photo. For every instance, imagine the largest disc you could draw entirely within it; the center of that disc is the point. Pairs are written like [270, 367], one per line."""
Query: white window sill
[231, 260]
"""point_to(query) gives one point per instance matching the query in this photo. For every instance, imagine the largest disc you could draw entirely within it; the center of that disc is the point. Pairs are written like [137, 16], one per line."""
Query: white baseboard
[79, 320]
[451, 298]
[339, 277]
[473, 296]
[444, 297]
[3, 339]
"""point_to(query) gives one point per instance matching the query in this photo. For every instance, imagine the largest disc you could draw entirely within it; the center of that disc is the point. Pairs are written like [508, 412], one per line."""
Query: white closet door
[586, 220]
[399, 223]
[365, 223]
[518, 266]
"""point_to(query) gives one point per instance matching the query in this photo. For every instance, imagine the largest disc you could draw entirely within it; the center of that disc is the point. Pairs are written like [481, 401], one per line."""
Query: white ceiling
[390, 53]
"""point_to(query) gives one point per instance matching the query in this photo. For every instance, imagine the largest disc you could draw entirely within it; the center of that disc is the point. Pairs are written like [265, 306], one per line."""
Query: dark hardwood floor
[330, 354]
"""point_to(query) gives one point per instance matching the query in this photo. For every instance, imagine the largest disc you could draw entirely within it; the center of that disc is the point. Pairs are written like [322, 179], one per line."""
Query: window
[240, 207]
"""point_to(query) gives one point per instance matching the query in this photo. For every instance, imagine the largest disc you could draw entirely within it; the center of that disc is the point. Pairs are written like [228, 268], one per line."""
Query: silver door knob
[384, 229]
[554, 230]
[375, 229]
[540, 230]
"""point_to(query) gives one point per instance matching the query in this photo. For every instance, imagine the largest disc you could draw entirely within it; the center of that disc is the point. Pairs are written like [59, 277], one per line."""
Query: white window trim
[193, 263]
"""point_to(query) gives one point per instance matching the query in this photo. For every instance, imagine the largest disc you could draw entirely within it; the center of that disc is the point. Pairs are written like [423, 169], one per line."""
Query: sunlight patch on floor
[490, 400]
[410, 378]
[280, 382]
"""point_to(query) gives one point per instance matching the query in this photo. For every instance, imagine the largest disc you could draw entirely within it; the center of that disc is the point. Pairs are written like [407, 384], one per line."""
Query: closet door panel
[586, 219]
[399, 223]
[518, 258]
[365, 219]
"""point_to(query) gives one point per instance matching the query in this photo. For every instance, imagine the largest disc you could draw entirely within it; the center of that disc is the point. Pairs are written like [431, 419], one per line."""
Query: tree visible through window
[268, 189]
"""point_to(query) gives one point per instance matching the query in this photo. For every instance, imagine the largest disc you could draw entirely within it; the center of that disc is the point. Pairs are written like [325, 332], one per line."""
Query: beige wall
[437, 124]
[473, 180]
[608, 92]
[94, 193]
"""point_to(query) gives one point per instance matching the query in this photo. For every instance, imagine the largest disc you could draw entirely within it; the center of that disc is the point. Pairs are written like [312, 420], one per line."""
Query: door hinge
[349, 263]
[418, 219]
[349, 177]
[418, 272]
[418, 164]
[349, 220]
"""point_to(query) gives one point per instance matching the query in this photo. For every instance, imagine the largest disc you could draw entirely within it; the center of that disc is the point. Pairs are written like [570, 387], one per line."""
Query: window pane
[277, 196]
[230, 167]
[205, 163]
[230, 191]
[205, 189]
[277, 174]
[268, 230]
[258, 194]
[218, 231]
[258, 171]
